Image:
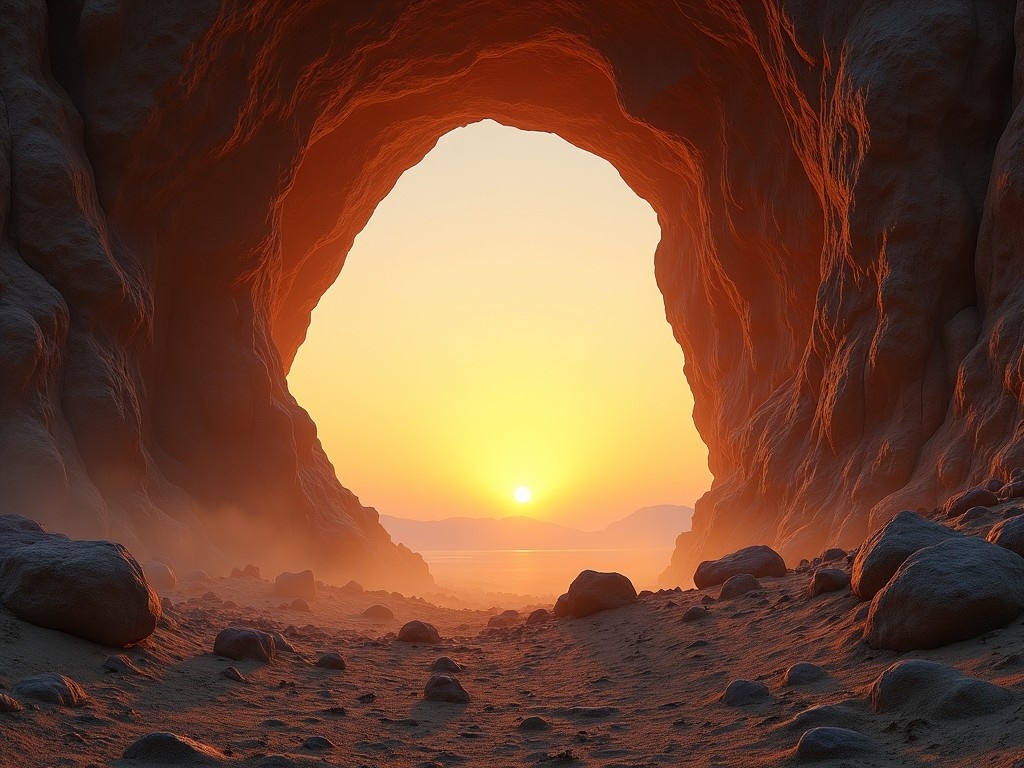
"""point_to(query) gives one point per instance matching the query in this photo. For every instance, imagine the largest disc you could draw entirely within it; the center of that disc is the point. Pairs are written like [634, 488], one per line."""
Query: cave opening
[496, 347]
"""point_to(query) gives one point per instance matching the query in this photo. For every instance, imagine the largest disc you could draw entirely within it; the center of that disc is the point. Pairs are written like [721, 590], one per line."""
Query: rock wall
[839, 185]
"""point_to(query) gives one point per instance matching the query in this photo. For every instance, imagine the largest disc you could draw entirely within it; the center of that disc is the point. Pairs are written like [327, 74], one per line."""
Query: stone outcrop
[840, 189]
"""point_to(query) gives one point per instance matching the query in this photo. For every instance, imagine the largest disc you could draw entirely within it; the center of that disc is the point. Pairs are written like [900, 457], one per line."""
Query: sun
[522, 494]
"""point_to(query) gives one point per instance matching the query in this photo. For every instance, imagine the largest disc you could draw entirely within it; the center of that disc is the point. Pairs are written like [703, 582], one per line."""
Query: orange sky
[497, 325]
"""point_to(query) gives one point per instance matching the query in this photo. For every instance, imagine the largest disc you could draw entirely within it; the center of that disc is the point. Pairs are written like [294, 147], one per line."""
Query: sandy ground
[631, 687]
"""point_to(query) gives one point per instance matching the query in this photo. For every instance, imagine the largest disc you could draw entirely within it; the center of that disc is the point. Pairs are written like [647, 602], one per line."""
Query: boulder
[594, 591]
[58, 690]
[419, 632]
[738, 585]
[93, 589]
[442, 687]
[888, 547]
[954, 590]
[741, 693]
[561, 607]
[974, 497]
[803, 673]
[827, 743]
[378, 612]
[695, 613]
[446, 664]
[331, 661]
[830, 555]
[828, 580]
[300, 585]
[244, 643]
[538, 616]
[1009, 534]
[353, 588]
[534, 723]
[759, 561]
[300, 605]
[161, 748]
[159, 574]
[508, 618]
[930, 689]
[17, 531]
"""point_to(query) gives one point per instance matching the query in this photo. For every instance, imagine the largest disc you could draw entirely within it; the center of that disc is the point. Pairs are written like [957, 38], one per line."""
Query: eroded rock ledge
[839, 189]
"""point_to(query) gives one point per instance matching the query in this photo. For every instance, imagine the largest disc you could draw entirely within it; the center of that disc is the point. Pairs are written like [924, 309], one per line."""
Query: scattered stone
[931, 689]
[954, 590]
[298, 604]
[887, 549]
[695, 613]
[534, 723]
[1009, 534]
[121, 664]
[301, 585]
[378, 612]
[233, 674]
[827, 742]
[830, 555]
[58, 690]
[975, 497]
[331, 660]
[538, 616]
[738, 585]
[281, 643]
[419, 632]
[9, 704]
[759, 561]
[244, 643]
[593, 591]
[442, 687]
[741, 693]
[162, 748]
[446, 664]
[828, 580]
[159, 574]
[92, 589]
[318, 744]
[803, 673]
[353, 588]
[504, 619]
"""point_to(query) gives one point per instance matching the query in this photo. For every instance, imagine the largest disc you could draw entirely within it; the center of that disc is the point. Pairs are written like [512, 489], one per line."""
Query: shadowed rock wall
[839, 186]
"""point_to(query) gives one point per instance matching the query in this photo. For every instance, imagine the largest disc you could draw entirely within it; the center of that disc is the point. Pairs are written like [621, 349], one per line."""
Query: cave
[839, 192]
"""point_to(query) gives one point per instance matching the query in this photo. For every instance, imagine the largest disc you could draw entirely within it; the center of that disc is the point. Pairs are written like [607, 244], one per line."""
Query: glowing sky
[497, 326]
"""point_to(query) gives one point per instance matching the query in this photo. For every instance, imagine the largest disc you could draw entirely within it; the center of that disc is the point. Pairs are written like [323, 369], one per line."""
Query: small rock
[826, 742]
[419, 632]
[931, 689]
[534, 723]
[538, 616]
[695, 613]
[759, 561]
[353, 588]
[8, 704]
[318, 744]
[975, 497]
[281, 643]
[445, 688]
[159, 574]
[803, 673]
[504, 619]
[378, 612]
[994, 484]
[121, 664]
[828, 580]
[738, 585]
[830, 555]
[594, 591]
[446, 664]
[170, 749]
[298, 604]
[741, 693]
[58, 690]
[244, 643]
[887, 548]
[233, 674]
[954, 590]
[301, 585]
[331, 661]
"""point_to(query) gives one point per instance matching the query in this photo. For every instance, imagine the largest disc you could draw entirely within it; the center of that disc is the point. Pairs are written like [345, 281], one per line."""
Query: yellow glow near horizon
[522, 494]
[498, 320]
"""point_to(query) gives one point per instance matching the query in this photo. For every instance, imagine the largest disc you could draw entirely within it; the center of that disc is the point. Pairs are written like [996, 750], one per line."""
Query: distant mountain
[648, 528]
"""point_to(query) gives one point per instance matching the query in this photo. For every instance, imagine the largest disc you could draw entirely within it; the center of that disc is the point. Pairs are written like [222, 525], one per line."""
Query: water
[543, 573]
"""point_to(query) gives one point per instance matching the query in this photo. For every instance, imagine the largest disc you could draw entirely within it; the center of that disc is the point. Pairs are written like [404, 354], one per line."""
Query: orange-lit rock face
[838, 184]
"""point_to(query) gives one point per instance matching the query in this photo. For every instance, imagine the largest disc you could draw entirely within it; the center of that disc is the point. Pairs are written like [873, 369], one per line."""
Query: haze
[497, 327]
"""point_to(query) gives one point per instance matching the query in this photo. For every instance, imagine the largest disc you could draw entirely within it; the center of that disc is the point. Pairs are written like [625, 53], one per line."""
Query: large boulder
[931, 689]
[759, 561]
[300, 585]
[93, 589]
[888, 547]
[954, 590]
[594, 591]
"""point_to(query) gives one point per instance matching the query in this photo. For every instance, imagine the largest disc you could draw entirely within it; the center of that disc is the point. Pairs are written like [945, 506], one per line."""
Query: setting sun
[523, 494]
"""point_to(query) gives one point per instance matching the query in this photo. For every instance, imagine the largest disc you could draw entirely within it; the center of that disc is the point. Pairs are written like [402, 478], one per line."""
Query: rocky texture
[177, 192]
[741, 693]
[594, 591]
[887, 548]
[803, 673]
[758, 560]
[57, 690]
[827, 743]
[926, 688]
[300, 585]
[244, 643]
[161, 748]
[1009, 534]
[445, 688]
[954, 590]
[93, 589]
[738, 585]
[332, 660]
[973, 497]
[9, 705]
[420, 632]
[828, 580]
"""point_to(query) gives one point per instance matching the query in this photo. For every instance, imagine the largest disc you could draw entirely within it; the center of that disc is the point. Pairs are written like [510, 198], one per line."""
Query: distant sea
[543, 573]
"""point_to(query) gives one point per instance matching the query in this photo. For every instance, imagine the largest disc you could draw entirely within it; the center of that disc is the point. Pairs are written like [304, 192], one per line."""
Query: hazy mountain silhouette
[648, 528]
